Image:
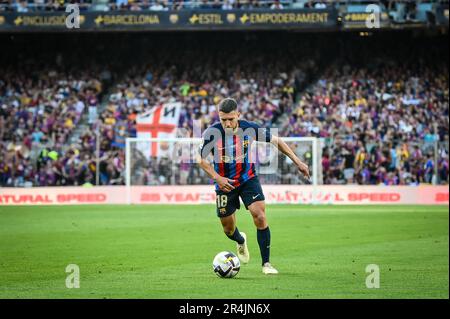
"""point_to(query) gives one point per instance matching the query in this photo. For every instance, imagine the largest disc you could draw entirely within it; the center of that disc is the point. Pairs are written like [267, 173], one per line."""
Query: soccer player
[234, 174]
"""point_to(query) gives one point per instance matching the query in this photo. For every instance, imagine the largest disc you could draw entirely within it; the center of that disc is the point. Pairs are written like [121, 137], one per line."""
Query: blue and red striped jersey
[232, 152]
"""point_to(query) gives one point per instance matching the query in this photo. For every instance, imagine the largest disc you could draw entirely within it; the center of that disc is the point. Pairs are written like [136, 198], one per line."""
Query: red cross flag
[159, 122]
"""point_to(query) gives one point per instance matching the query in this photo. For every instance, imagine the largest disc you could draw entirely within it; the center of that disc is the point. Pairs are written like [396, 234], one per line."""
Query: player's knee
[260, 220]
[228, 230]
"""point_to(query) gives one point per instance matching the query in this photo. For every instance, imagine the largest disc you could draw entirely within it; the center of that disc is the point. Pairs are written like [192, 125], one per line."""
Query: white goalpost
[173, 161]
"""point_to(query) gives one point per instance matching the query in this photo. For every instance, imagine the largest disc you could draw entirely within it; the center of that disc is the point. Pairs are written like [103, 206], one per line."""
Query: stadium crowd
[199, 82]
[382, 122]
[38, 113]
[376, 111]
[24, 6]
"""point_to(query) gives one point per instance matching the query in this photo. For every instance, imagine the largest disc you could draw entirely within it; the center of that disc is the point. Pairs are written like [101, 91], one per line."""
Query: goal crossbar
[314, 141]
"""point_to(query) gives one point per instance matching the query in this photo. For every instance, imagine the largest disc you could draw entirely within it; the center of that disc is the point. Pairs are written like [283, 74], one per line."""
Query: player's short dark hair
[228, 105]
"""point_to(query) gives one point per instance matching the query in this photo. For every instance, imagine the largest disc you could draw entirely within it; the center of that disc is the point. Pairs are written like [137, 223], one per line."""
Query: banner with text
[204, 194]
[365, 20]
[171, 20]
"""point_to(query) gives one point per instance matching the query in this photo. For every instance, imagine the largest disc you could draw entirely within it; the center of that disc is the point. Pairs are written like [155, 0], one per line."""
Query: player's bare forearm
[223, 182]
[286, 150]
[207, 167]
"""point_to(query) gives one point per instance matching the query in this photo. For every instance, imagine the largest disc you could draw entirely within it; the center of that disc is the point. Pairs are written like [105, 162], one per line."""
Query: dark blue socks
[263, 236]
[237, 237]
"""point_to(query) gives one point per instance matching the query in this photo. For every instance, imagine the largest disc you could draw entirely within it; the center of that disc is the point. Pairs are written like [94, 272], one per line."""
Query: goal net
[174, 161]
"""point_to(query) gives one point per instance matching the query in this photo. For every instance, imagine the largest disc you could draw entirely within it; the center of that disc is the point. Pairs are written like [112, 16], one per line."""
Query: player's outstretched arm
[286, 150]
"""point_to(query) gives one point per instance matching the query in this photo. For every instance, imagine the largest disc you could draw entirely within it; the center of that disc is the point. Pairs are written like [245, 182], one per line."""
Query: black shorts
[250, 192]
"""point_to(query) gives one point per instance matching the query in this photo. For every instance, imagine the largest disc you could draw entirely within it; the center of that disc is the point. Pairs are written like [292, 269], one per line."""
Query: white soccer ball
[226, 264]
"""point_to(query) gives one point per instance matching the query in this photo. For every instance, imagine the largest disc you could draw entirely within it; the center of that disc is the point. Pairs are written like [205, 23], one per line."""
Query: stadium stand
[375, 110]
[399, 9]
[41, 106]
[380, 120]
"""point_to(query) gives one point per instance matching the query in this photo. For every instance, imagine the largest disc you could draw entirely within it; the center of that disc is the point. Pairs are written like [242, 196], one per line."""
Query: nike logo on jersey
[256, 196]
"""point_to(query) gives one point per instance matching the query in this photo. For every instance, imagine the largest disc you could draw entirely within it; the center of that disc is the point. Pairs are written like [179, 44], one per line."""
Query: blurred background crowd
[381, 114]
[158, 5]
[406, 8]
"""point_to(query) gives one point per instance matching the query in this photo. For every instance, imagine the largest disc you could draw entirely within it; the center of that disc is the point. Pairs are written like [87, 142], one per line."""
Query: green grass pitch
[167, 252]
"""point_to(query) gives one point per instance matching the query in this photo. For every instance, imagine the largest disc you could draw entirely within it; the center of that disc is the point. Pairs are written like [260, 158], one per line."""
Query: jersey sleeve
[262, 134]
[207, 144]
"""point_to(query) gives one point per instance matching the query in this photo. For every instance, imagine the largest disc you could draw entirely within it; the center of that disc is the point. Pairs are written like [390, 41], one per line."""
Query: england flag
[159, 122]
